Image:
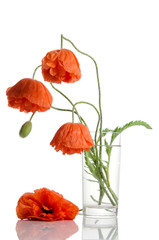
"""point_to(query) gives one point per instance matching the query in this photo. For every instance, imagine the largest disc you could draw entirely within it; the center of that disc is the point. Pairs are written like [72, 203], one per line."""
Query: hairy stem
[80, 119]
[99, 89]
[83, 102]
[36, 70]
[31, 116]
[69, 110]
[95, 139]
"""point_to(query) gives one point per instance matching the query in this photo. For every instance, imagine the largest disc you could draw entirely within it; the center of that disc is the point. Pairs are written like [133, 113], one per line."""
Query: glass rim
[107, 134]
[110, 131]
[113, 145]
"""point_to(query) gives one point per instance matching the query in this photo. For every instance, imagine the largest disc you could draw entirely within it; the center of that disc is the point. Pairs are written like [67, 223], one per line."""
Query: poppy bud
[25, 129]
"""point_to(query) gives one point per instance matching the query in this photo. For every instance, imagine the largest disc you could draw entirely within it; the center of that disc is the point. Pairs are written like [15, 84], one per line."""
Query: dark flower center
[47, 210]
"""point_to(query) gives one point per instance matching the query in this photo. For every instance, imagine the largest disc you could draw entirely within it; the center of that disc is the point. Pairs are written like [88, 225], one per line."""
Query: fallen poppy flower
[47, 205]
[29, 95]
[72, 138]
[61, 66]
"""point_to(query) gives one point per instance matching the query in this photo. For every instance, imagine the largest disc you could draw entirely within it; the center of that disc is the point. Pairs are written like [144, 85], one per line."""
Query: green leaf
[90, 165]
[104, 131]
[89, 156]
[135, 123]
[119, 130]
[108, 147]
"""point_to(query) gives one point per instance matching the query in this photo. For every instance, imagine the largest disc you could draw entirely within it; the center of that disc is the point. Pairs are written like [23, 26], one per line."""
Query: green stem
[106, 182]
[99, 89]
[88, 104]
[68, 101]
[107, 172]
[103, 189]
[35, 71]
[32, 116]
[61, 94]
[73, 110]
[69, 110]
[61, 109]
[61, 41]
[83, 102]
[101, 195]
[95, 139]
[114, 195]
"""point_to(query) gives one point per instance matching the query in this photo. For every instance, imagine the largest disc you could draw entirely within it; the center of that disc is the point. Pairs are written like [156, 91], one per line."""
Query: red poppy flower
[45, 204]
[29, 95]
[61, 66]
[72, 138]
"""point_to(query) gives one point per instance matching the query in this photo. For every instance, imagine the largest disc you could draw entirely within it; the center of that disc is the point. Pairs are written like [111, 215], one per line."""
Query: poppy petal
[61, 66]
[29, 95]
[72, 138]
[45, 204]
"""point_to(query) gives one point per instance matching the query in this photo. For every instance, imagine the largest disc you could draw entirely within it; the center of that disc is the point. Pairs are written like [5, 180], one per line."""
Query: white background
[123, 37]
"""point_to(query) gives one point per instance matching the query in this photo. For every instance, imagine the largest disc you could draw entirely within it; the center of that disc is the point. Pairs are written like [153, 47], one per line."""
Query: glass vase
[101, 172]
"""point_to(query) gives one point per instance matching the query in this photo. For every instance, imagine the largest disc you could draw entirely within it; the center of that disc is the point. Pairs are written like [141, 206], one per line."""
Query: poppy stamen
[46, 210]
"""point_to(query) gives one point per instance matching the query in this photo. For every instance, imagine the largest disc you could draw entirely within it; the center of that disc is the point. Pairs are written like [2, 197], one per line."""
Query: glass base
[100, 211]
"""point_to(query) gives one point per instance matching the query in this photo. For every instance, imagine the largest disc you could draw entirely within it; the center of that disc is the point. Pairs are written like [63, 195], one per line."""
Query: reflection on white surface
[40, 230]
[100, 229]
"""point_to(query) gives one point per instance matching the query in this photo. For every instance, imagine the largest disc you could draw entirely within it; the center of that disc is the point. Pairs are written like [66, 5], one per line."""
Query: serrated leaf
[108, 147]
[90, 165]
[89, 156]
[135, 123]
[104, 131]
[119, 130]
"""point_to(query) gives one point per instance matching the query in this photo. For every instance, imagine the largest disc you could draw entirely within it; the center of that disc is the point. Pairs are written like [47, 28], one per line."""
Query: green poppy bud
[25, 129]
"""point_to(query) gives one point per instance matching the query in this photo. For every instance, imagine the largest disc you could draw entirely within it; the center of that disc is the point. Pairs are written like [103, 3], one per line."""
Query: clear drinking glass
[101, 172]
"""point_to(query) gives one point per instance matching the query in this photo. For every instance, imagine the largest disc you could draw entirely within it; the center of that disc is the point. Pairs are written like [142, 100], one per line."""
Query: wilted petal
[61, 66]
[72, 138]
[45, 204]
[29, 95]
